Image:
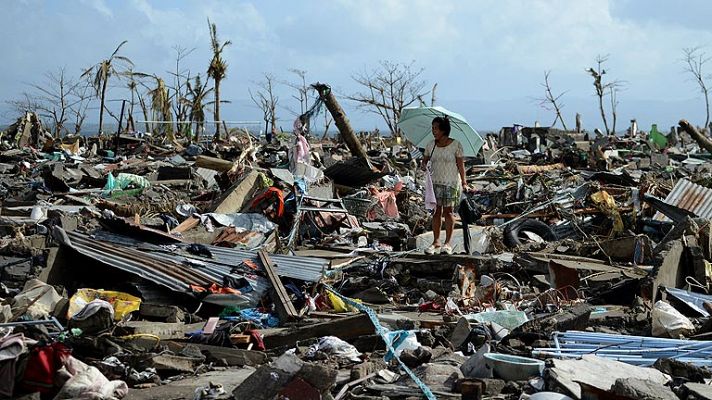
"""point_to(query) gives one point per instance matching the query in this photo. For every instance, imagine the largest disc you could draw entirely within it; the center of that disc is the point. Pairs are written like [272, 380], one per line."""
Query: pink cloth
[387, 198]
[302, 149]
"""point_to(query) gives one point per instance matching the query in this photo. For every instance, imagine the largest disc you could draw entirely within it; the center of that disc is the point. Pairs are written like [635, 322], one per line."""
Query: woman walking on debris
[447, 171]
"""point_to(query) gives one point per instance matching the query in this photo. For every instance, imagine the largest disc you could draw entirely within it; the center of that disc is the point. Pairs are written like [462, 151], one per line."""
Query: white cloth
[430, 200]
[443, 165]
[92, 308]
[88, 383]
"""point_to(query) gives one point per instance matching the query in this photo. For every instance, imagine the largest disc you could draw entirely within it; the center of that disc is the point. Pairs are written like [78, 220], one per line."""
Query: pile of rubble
[255, 270]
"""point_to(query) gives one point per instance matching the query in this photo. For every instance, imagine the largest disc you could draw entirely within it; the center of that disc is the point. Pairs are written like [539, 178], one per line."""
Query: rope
[382, 332]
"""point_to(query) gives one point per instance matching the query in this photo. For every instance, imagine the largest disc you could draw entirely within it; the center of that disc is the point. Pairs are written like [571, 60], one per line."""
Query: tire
[514, 233]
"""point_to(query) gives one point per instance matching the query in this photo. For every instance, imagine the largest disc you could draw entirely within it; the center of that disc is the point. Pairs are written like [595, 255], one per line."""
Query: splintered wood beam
[283, 304]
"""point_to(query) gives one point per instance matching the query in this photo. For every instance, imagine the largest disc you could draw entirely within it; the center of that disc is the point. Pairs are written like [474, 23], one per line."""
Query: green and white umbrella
[416, 124]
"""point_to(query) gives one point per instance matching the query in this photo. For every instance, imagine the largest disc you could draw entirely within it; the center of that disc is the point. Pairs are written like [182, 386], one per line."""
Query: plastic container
[513, 368]
[548, 396]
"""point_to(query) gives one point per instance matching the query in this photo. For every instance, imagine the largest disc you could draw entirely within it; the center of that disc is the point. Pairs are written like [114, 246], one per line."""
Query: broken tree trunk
[347, 133]
[215, 164]
[703, 141]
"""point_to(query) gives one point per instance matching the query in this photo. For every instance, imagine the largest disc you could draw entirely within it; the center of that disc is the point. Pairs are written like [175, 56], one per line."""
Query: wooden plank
[348, 328]
[233, 357]
[188, 224]
[327, 315]
[283, 304]
[240, 339]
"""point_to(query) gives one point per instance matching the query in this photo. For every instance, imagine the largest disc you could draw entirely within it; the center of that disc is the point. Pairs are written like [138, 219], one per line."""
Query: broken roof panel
[177, 270]
[691, 197]
[129, 260]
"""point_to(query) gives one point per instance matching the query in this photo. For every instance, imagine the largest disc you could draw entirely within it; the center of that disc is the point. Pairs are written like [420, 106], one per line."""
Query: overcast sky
[488, 57]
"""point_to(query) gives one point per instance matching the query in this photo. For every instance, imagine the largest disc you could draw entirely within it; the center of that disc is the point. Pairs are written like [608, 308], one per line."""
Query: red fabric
[430, 306]
[321, 303]
[42, 365]
[271, 192]
[215, 289]
[256, 338]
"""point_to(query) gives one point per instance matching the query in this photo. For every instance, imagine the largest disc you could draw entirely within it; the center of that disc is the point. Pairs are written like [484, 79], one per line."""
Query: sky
[488, 57]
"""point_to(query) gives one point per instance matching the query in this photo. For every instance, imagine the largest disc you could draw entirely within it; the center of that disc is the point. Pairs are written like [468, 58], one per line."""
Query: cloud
[99, 6]
[489, 50]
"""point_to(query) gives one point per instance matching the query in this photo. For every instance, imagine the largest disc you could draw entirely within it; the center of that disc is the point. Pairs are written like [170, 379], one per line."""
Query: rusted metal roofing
[165, 273]
[691, 197]
[230, 235]
[171, 267]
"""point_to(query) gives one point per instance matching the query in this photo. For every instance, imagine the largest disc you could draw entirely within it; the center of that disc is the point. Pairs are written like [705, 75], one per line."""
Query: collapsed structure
[280, 270]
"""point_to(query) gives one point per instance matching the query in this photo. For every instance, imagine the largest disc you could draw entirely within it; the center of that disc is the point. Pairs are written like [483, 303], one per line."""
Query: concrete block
[171, 363]
[263, 384]
[642, 389]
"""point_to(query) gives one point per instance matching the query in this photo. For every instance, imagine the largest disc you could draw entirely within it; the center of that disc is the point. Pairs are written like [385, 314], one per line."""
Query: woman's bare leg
[437, 223]
[449, 224]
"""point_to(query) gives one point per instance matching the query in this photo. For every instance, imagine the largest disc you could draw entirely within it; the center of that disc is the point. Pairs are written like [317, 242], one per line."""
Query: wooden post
[347, 133]
[118, 131]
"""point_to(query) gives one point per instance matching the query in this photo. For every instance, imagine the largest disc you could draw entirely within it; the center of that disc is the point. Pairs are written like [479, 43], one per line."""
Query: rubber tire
[512, 231]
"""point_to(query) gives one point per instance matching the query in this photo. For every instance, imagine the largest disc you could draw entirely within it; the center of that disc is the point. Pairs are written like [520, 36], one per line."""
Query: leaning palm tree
[101, 72]
[217, 70]
[197, 93]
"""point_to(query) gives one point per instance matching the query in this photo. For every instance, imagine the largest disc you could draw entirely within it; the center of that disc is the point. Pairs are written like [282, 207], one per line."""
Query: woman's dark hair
[443, 124]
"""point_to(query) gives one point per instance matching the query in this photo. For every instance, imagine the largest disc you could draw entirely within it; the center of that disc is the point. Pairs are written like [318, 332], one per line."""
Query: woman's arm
[461, 168]
[427, 155]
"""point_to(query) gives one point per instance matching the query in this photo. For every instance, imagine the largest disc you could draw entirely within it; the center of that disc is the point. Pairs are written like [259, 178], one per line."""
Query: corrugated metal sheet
[169, 272]
[691, 197]
[173, 268]
[127, 259]
[308, 269]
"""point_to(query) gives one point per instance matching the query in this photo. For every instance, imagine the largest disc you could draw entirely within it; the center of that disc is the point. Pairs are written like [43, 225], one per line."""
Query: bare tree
[328, 120]
[303, 90]
[265, 99]
[195, 100]
[602, 88]
[82, 95]
[217, 70]
[181, 77]
[388, 89]
[695, 60]
[305, 94]
[55, 98]
[551, 102]
[27, 102]
[101, 73]
[613, 96]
